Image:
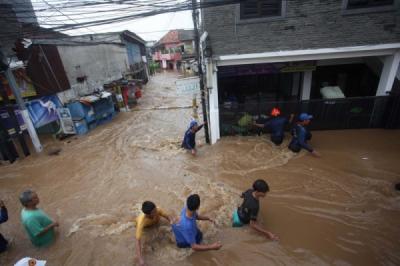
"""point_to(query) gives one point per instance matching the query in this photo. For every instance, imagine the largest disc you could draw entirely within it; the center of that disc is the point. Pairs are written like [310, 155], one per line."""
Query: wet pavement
[340, 209]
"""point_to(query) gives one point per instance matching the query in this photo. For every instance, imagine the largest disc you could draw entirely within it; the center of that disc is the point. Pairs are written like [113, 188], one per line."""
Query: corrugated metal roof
[94, 39]
[72, 42]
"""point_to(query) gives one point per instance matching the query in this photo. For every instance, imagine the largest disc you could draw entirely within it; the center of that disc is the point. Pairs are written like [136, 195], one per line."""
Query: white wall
[212, 85]
[101, 64]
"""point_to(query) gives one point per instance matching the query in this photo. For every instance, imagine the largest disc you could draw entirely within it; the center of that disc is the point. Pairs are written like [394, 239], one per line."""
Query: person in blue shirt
[300, 135]
[277, 125]
[189, 140]
[3, 219]
[187, 234]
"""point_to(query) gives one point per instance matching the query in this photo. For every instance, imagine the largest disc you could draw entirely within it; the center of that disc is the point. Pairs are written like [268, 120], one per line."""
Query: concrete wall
[307, 24]
[100, 63]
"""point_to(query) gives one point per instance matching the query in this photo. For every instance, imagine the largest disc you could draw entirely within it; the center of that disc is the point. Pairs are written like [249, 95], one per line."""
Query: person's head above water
[193, 125]
[149, 208]
[304, 118]
[29, 198]
[260, 188]
[275, 112]
[193, 202]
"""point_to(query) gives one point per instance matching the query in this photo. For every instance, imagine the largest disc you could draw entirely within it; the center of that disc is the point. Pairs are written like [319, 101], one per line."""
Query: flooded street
[340, 209]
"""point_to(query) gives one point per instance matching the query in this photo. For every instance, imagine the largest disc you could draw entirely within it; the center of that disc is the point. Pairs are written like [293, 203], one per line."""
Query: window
[252, 9]
[355, 4]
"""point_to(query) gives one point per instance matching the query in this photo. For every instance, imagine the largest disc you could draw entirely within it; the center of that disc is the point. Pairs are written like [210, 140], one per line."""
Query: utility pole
[200, 69]
[25, 115]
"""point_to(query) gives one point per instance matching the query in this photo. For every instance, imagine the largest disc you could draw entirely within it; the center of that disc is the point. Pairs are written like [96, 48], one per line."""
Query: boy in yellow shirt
[151, 215]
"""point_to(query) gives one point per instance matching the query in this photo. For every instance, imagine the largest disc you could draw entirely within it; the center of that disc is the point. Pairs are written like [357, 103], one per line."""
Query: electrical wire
[182, 6]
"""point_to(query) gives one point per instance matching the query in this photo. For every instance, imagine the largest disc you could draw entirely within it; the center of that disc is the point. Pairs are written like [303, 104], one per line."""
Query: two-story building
[337, 59]
[174, 48]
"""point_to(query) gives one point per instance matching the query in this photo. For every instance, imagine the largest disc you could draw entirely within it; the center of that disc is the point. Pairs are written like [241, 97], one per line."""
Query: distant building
[150, 50]
[299, 54]
[135, 48]
[176, 47]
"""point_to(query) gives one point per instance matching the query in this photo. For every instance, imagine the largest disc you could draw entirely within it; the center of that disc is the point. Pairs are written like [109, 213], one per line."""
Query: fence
[349, 113]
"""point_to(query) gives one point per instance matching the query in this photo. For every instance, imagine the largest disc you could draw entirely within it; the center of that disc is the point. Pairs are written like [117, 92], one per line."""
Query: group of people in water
[185, 229]
[40, 228]
[276, 124]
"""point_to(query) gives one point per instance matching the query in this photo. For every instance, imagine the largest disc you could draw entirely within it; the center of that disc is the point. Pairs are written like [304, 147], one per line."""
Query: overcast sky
[149, 28]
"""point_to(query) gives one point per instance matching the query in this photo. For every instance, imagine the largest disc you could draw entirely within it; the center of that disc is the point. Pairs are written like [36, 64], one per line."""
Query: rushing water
[340, 209]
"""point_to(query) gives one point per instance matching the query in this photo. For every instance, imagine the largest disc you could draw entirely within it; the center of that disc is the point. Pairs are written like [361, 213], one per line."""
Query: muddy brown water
[340, 209]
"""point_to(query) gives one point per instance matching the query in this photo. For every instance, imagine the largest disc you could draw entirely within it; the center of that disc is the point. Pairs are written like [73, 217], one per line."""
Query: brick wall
[308, 24]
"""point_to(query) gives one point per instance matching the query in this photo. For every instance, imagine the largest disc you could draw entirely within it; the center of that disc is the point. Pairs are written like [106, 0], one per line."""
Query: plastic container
[81, 127]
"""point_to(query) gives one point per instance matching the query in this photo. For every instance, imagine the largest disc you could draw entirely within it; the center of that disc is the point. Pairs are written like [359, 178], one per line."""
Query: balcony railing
[158, 56]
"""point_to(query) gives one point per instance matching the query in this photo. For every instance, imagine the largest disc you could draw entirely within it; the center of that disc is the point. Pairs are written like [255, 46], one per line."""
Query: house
[337, 59]
[175, 48]
[135, 48]
[74, 68]
[150, 49]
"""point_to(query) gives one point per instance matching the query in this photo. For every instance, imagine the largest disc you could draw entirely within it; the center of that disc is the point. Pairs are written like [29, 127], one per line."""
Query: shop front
[341, 92]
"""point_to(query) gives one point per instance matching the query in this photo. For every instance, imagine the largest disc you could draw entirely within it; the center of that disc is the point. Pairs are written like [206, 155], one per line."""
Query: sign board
[67, 124]
[188, 85]
[24, 84]
[8, 123]
[43, 110]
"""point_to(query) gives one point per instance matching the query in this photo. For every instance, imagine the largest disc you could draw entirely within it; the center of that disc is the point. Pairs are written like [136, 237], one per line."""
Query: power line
[181, 7]
[65, 15]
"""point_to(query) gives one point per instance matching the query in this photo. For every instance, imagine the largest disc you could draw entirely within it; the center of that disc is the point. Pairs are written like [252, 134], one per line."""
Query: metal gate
[349, 113]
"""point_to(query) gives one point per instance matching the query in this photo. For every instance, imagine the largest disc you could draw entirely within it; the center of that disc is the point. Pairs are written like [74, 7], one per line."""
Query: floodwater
[340, 209]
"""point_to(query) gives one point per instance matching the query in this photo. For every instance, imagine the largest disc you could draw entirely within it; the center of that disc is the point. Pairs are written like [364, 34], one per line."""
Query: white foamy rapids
[218, 201]
[105, 224]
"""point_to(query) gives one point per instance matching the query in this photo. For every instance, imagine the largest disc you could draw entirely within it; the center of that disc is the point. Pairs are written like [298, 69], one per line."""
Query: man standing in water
[300, 135]
[189, 140]
[247, 213]
[37, 223]
[151, 215]
[277, 125]
[186, 232]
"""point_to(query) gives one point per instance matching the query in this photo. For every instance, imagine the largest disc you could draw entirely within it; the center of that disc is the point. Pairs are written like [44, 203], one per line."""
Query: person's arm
[258, 228]
[200, 127]
[204, 218]
[305, 145]
[138, 236]
[301, 135]
[205, 247]
[163, 214]
[47, 228]
[3, 212]
[139, 252]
